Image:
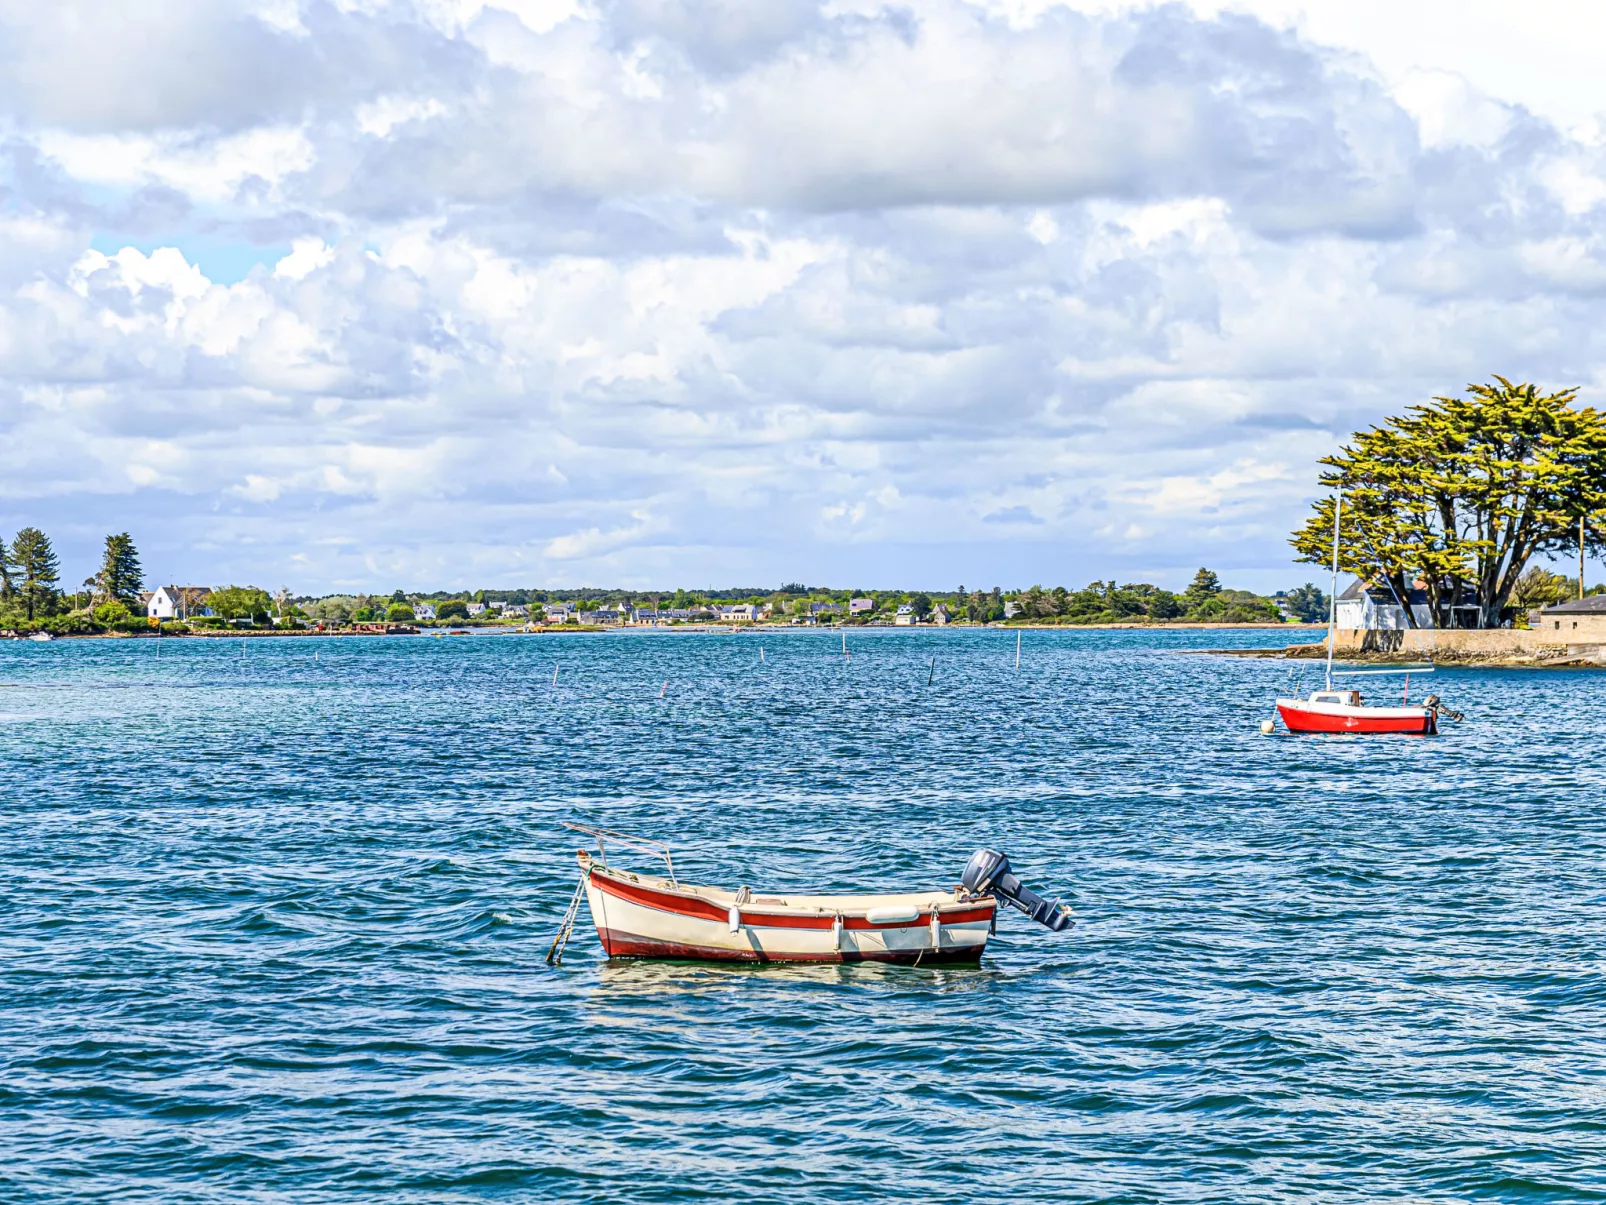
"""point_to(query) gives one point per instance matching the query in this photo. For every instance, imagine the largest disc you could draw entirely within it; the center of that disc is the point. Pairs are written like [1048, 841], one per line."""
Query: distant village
[1205, 601]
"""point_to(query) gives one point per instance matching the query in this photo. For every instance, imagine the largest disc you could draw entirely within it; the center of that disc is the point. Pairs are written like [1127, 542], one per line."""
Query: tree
[1539, 587]
[399, 613]
[241, 602]
[1164, 605]
[922, 605]
[36, 568]
[452, 608]
[1204, 587]
[120, 578]
[1307, 603]
[1461, 492]
[190, 600]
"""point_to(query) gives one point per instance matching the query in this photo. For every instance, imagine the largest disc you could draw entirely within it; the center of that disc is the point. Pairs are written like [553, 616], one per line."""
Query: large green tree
[120, 578]
[1461, 492]
[36, 570]
[241, 602]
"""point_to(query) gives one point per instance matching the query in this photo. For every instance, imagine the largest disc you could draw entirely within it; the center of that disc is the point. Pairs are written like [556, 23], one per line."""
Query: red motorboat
[1343, 711]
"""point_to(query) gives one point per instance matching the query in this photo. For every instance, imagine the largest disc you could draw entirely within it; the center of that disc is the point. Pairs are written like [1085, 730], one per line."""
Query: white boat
[647, 916]
[41, 636]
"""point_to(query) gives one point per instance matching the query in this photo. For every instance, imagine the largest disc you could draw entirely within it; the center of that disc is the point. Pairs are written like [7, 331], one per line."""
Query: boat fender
[735, 918]
[936, 930]
[892, 914]
[836, 931]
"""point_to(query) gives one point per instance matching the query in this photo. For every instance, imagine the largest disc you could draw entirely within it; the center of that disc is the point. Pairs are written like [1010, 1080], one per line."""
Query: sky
[653, 293]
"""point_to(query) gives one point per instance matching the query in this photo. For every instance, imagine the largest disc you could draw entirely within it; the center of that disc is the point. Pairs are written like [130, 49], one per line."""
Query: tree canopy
[36, 570]
[240, 602]
[120, 578]
[1461, 492]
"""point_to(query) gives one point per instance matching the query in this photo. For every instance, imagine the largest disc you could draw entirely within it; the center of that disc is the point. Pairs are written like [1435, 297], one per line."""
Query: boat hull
[1301, 716]
[640, 918]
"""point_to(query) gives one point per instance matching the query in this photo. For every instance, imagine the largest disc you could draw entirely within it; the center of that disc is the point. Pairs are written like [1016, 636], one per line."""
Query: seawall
[1487, 646]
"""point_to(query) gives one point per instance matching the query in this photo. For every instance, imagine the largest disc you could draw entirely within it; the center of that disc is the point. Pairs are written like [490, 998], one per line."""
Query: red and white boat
[646, 916]
[1343, 711]
[1333, 710]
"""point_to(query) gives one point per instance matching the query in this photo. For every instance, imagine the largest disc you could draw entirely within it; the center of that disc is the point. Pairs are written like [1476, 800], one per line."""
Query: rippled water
[275, 914]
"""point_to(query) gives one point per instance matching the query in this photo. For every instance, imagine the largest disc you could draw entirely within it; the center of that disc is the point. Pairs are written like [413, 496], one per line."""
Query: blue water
[273, 927]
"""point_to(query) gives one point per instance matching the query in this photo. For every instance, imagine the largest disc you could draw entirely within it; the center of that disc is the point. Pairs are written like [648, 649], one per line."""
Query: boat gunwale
[798, 911]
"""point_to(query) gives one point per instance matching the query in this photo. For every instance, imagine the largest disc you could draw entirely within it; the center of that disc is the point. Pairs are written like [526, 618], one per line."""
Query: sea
[274, 916]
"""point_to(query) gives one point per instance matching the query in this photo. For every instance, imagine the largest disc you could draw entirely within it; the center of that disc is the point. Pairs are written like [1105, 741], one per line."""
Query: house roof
[1590, 603]
[1382, 595]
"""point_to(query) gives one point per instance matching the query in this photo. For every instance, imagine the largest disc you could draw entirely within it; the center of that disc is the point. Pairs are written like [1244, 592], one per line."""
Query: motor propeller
[1435, 705]
[988, 871]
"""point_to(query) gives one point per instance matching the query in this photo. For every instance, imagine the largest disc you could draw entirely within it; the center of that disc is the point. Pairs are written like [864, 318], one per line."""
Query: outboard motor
[989, 871]
[1434, 704]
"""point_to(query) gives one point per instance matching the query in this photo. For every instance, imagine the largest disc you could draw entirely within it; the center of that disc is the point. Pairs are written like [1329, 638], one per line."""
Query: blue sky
[658, 292]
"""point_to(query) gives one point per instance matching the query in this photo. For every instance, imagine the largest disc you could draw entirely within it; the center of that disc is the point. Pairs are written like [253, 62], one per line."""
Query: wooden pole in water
[663, 688]
[554, 675]
[931, 677]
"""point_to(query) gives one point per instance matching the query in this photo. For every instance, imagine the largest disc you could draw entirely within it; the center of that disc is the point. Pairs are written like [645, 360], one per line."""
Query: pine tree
[36, 568]
[120, 577]
[1205, 586]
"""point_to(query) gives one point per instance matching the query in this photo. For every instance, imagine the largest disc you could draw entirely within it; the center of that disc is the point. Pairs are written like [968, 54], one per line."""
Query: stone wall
[1458, 644]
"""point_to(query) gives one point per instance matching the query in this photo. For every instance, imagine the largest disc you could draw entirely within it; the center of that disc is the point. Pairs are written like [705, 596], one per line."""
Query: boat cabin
[1342, 698]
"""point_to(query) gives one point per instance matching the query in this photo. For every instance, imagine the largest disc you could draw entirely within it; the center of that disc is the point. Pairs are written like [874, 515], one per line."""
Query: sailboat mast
[1332, 600]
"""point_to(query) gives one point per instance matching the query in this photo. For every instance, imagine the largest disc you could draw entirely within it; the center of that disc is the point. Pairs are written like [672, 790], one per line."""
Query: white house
[423, 610]
[476, 608]
[168, 602]
[741, 613]
[515, 610]
[557, 612]
[905, 617]
[860, 606]
[1011, 608]
[1374, 608]
[939, 614]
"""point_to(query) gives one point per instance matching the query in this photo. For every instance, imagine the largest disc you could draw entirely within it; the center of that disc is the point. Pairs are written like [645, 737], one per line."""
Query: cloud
[655, 291]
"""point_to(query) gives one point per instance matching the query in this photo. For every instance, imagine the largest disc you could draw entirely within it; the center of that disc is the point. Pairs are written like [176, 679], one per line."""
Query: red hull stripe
[683, 905]
[1315, 721]
[629, 945]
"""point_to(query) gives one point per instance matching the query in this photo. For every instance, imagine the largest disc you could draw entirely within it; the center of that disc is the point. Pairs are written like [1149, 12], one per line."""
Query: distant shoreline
[570, 629]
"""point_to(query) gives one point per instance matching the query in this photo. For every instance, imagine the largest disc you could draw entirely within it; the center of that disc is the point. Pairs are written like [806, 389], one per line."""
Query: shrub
[399, 613]
[111, 614]
[452, 608]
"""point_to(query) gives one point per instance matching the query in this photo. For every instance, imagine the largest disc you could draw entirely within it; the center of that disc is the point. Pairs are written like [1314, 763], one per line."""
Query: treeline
[1204, 601]
[31, 597]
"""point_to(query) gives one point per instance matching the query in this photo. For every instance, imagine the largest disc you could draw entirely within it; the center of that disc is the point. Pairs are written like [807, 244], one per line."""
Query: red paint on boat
[630, 945]
[1320, 713]
[756, 916]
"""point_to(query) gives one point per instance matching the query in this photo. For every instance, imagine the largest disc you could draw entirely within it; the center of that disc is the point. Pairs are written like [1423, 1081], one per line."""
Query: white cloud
[630, 293]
